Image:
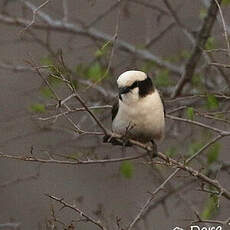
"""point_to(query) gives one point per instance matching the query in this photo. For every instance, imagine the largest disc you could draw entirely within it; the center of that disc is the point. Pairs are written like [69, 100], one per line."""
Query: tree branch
[80, 212]
[61, 26]
[201, 40]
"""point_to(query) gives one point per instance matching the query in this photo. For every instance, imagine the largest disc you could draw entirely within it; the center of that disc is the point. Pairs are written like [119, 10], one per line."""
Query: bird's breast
[144, 118]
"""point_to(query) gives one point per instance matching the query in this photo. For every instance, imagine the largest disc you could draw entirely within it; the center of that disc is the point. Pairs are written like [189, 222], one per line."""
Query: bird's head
[134, 85]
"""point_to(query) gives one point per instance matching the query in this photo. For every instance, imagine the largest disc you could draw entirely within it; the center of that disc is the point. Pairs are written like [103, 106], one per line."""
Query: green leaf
[127, 169]
[190, 113]
[210, 44]
[203, 13]
[226, 2]
[103, 50]
[38, 108]
[210, 207]
[162, 78]
[196, 81]
[46, 61]
[213, 153]
[212, 102]
[95, 71]
[194, 147]
[54, 80]
[49, 61]
[171, 151]
[148, 66]
[46, 92]
[73, 156]
[185, 54]
[99, 53]
[74, 84]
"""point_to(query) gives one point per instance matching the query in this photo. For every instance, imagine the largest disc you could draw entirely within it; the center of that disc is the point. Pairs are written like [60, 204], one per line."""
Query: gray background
[92, 187]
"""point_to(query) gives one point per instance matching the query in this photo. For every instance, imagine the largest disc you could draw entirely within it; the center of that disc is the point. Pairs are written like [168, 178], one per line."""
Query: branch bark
[80, 212]
[201, 40]
[62, 26]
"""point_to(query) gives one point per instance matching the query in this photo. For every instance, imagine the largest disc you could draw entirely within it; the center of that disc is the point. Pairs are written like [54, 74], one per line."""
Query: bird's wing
[115, 109]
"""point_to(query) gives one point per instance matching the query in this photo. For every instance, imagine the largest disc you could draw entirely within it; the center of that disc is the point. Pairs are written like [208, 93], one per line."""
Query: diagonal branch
[201, 40]
[80, 212]
[185, 167]
[35, 11]
[61, 26]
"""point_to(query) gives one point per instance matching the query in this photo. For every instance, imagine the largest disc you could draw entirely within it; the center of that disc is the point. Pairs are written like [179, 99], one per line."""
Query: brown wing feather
[115, 109]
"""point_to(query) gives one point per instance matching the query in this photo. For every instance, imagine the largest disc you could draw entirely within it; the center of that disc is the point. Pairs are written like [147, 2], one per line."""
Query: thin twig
[152, 6]
[220, 65]
[201, 40]
[65, 162]
[15, 226]
[146, 204]
[65, 10]
[59, 25]
[222, 132]
[35, 12]
[73, 111]
[186, 168]
[160, 35]
[224, 26]
[80, 212]
[101, 16]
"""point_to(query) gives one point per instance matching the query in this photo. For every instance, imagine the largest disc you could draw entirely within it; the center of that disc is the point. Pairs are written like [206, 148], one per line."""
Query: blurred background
[91, 42]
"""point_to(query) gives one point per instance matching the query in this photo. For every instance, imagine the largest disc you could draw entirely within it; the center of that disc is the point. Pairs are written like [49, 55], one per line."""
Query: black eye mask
[145, 87]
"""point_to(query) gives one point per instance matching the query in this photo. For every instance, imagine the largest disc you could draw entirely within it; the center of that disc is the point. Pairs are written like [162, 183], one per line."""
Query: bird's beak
[124, 90]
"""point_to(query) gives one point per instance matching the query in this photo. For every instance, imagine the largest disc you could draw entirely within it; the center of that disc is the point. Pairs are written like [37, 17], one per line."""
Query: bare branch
[220, 65]
[57, 25]
[73, 111]
[35, 12]
[160, 35]
[186, 168]
[65, 10]
[65, 162]
[222, 222]
[101, 16]
[15, 226]
[221, 132]
[178, 22]
[78, 97]
[224, 26]
[201, 40]
[146, 204]
[80, 212]
[151, 6]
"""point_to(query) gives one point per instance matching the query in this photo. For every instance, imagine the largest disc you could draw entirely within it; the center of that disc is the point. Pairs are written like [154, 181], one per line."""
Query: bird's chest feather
[146, 114]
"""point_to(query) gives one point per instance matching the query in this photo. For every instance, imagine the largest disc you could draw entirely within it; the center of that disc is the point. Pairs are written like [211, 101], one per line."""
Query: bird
[138, 112]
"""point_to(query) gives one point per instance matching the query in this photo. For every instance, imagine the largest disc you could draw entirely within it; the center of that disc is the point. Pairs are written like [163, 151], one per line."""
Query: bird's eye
[134, 85]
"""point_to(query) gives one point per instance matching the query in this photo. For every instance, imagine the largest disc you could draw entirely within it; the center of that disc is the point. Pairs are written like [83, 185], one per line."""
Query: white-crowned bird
[139, 112]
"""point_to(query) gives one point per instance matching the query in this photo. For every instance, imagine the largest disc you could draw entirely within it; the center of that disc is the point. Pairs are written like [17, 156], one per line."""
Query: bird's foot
[123, 141]
[154, 152]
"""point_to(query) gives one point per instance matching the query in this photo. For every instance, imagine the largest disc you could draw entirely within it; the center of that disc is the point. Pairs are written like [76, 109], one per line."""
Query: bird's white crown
[129, 77]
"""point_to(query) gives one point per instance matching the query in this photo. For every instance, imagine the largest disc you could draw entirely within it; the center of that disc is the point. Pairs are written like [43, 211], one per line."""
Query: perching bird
[139, 112]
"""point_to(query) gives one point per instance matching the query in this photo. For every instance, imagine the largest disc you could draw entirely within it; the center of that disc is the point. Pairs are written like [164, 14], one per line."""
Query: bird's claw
[154, 152]
[116, 141]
